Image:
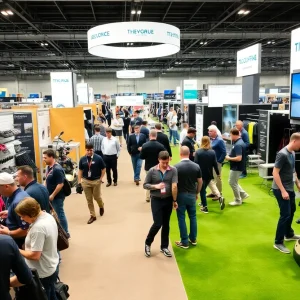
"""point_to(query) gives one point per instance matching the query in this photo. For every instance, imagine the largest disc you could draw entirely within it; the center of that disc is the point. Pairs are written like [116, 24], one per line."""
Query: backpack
[67, 188]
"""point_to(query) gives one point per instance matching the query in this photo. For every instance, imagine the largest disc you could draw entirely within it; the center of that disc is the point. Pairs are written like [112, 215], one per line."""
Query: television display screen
[295, 97]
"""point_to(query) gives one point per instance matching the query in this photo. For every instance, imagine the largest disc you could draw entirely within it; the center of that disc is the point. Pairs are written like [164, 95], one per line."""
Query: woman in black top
[126, 121]
[205, 157]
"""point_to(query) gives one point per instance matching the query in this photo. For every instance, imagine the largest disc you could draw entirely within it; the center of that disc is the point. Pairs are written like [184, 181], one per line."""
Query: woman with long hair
[205, 157]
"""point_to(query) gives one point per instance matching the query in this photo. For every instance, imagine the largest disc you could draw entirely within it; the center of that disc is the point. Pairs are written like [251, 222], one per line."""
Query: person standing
[245, 137]
[150, 152]
[189, 186]
[219, 147]
[205, 157]
[117, 125]
[16, 227]
[169, 119]
[236, 159]
[126, 121]
[25, 178]
[90, 174]
[219, 134]
[173, 127]
[189, 141]
[183, 133]
[145, 130]
[283, 188]
[108, 116]
[96, 141]
[54, 183]
[162, 181]
[134, 147]
[111, 150]
[136, 120]
[163, 138]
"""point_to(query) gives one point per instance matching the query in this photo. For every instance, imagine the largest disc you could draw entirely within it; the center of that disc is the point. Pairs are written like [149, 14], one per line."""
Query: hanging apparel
[250, 131]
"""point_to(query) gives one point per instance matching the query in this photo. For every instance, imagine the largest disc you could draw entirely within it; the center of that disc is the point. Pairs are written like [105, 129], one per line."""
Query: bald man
[245, 137]
[189, 186]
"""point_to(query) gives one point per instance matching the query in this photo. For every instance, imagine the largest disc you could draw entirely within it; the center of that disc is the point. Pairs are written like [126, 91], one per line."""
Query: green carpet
[235, 258]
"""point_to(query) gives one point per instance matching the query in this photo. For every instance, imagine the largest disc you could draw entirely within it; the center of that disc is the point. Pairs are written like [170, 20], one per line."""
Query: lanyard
[162, 175]
[89, 163]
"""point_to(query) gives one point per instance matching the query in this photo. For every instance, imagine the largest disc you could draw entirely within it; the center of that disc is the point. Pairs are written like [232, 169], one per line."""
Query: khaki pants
[216, 184]
[92, 191]
[147, 192]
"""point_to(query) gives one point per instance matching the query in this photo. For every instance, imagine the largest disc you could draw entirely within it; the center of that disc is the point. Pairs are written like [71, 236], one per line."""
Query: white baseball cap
[6, 178]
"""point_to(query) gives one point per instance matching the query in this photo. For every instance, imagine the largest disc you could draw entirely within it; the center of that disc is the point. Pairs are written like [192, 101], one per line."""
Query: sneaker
[166, 252]
[298, 221]
[222, 202]
[235, 203]
[245, 197]
[204, 209]
[243, 176]
[200, 204]
[293, 238]
[282, 248]
[147, 251]
[180, 245]
[194, 243]
[147, 200]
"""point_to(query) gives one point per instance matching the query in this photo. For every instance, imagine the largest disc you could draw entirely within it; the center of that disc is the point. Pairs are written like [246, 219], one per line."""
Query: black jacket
[207, 160]
[164, 140]
[190, 144]
[149, 153]
[132, 145]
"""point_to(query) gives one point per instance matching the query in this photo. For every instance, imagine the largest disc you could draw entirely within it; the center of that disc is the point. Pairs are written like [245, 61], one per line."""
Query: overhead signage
[295, 50]
[63, 89]
[249, 61]
[163, 40]
[178, 93]
[219, 95]
[190, 92]
[129, 100]
[125, 74]
[169, 94]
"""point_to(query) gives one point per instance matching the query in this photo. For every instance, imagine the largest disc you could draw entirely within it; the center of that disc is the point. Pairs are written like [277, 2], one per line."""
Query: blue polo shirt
[238, 148]
[219, 147]
[245, 137]
[95, 164]
[55, 175]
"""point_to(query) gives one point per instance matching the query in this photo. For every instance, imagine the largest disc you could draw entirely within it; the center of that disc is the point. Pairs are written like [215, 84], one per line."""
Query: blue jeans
[203, 193]
[58, 205]
[137, 165]
[187, 202]
[48, 284]
[287, 210]
[174, 135]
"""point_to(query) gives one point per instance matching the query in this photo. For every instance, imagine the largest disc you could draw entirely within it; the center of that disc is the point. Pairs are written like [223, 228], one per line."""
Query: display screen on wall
[219, 95]
[229, 118]
[295, 97]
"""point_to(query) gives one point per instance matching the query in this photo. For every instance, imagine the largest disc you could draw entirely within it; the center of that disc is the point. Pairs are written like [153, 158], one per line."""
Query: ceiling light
[273, 66]
[205, 43]
[139, 12]
[246, 12]
[11, 65]
[46, 44]
[201, 43]
[42, 44]
[222, 62]
[4, 13]
[179, 63]
[133, 12]
[176, 62]
[10, 12]
[229, 61]
[269, 42]
[241, 12]
[163, 73]
[131, 44]
[273, 43]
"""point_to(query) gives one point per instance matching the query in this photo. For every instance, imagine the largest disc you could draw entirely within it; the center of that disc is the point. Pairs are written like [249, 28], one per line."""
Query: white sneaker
[245, 197]
[235, 203]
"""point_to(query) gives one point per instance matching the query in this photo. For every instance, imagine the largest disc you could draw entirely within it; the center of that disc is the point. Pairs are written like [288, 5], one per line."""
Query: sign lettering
[100, 34]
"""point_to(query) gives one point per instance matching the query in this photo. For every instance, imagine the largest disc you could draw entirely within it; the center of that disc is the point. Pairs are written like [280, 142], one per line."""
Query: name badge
[89, 173]
[163, 190]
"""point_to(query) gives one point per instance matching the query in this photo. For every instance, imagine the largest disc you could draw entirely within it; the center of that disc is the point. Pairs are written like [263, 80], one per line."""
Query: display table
[263, 172]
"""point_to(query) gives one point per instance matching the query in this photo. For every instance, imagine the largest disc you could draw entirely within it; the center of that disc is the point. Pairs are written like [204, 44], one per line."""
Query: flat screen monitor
[295, 97]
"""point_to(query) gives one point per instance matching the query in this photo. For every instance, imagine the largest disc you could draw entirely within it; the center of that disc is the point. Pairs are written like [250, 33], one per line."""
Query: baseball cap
[191, 130]
[6, 178]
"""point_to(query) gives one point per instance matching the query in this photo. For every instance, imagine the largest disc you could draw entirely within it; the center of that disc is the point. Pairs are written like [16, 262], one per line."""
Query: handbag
[32, 291]
[63, 238]
[61, 290]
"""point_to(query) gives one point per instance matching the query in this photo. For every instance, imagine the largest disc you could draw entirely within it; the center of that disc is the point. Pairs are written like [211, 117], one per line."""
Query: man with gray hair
[149, 153]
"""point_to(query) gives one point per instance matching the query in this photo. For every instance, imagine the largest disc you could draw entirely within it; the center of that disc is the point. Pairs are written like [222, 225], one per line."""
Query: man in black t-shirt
[189, 186]
[136, 121]
[237, 158]
[190, 142]
[90, 174]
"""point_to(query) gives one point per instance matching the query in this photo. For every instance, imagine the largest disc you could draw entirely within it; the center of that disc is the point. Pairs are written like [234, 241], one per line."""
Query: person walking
[54, 183]
[134, 147]
[117, 125]
[144, 130]
[162, 181]
[169, 118]
[136, 120]
[236, 159]
[245, 137]
[205, 157]
[283, 188]
[111, 150]
[183, 133]
[219, 147]
[126, 121]
[90, 174]
[25, 178]
[96, 141]
[189, 141]
[189, 186]
[173, 127]
[150, 152]
[163, 138]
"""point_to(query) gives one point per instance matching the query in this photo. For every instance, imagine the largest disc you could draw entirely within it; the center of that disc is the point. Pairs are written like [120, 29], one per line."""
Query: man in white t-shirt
[183, 133]
[169, 117]
[173, 128]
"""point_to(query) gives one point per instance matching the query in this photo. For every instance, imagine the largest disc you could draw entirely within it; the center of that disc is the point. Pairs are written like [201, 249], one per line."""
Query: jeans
[58, 205]
[287, 210]
[48, 284]
[187, 202]
[203, 193]
[161, 212]
[137, 165]
[126, 134]
[174, 135]
[238, 192]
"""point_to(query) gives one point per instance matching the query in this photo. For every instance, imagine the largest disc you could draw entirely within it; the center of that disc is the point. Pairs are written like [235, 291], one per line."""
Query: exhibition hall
[149, 149]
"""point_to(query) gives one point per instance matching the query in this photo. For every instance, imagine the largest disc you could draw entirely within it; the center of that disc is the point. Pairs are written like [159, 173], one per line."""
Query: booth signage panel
[199, 121]
[62, 89]
[43, 119]
[219, 95]
[263, 133]
[249, 61]
[83, 93]
[295, 50]
[178, 93]
[129, 101]
[190, 92]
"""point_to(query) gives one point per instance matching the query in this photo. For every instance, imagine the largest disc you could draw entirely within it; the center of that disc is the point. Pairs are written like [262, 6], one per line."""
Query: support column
[250, 94]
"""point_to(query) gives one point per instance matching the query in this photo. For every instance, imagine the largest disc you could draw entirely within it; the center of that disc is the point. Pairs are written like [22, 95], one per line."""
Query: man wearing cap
[16, 228]
[190, 142]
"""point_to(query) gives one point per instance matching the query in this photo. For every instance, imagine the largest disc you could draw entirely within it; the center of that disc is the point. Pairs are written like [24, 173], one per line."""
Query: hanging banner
[190, 93]
[199, 122]
[295, 50]
[23, 122]
[43, 119]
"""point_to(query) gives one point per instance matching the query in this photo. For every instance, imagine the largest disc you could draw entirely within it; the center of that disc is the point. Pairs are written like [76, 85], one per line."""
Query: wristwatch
[174, 200]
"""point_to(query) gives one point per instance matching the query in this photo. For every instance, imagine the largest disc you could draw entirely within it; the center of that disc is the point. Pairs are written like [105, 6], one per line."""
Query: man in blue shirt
[16, 228]
[144, 130]
[245, 137]
[237, 159]
[218, 146]
[137, 120]
[11, 260]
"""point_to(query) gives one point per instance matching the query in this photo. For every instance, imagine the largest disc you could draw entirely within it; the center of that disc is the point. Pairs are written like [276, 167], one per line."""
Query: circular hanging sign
[155, 39]
[130, 74]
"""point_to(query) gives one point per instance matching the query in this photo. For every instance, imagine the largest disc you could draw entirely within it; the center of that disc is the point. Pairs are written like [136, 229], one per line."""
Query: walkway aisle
[106, 259]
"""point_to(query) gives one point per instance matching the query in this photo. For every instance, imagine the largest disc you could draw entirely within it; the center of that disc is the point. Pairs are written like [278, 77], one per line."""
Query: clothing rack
[250, 119]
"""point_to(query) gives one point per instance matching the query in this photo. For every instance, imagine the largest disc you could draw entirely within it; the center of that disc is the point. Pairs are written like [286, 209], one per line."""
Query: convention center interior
[149, 149]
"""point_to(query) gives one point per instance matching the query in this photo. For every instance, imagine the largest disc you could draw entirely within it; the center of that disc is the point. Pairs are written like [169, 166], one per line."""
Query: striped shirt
[96, 141]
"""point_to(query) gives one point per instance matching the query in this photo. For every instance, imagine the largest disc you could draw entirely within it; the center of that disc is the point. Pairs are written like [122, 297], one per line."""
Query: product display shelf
[254, 161]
